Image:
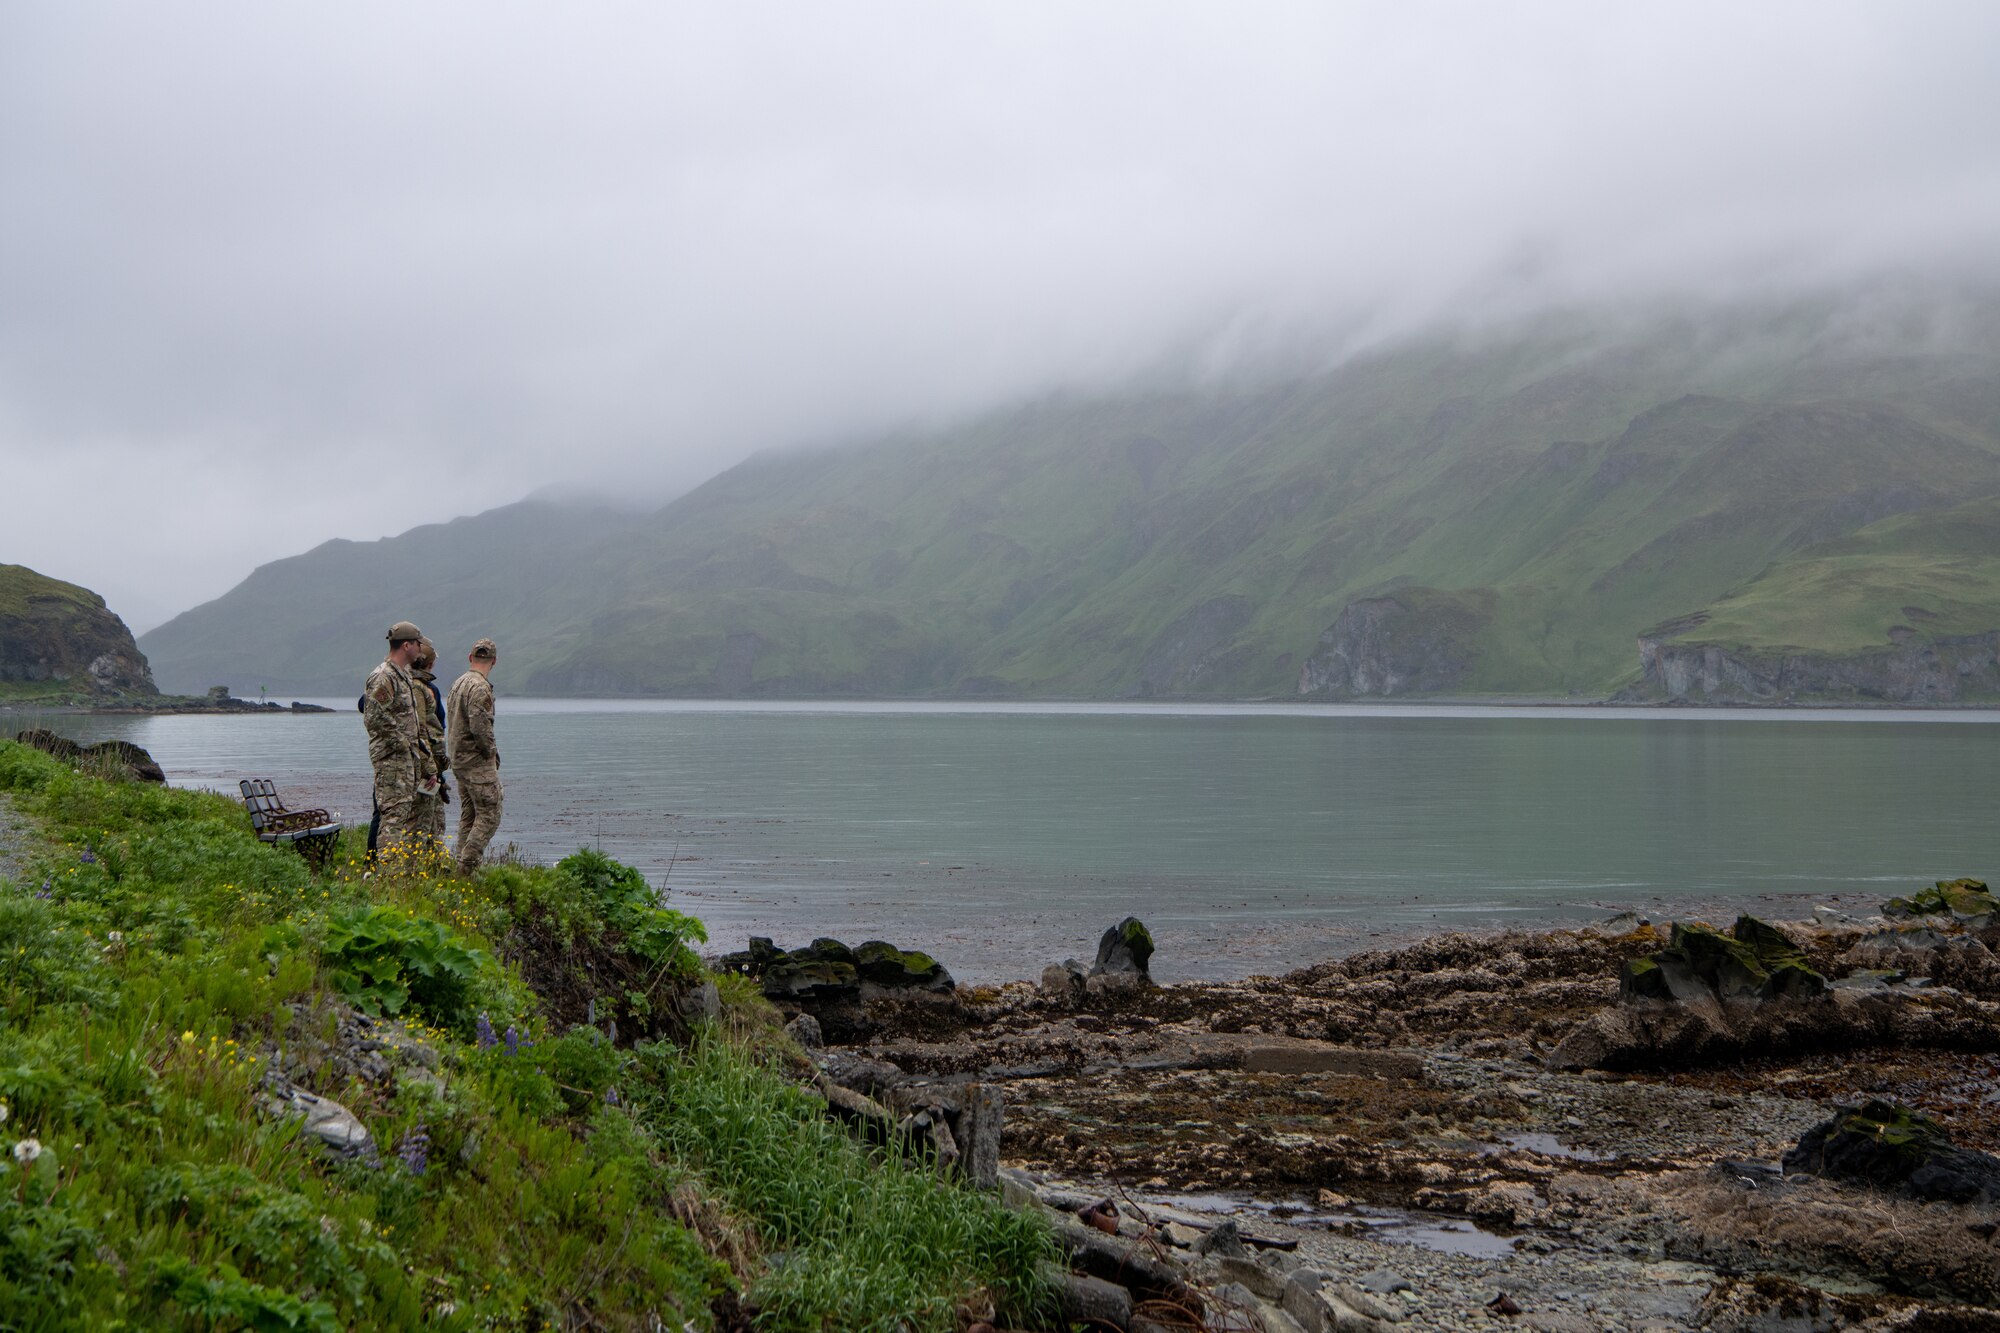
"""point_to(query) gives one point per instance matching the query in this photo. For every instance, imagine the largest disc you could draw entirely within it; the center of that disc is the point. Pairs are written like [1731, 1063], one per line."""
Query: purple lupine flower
[415, 1149]
[483, 1031]
[89, 857]
[513, 1040]
[611, 1097]
[48, 889]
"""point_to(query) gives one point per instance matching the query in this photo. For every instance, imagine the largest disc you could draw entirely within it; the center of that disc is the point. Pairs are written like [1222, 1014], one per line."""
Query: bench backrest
[260, 797]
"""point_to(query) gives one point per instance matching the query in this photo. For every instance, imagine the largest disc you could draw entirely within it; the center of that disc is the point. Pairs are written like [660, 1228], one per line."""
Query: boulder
[804, 1029]
[882, 964]
[110, 759]
[1892, 1148]
[324, 1121]
[1968, 901]
[1124, 951]
[828, 972]
[1755, 961]
[1064, 981]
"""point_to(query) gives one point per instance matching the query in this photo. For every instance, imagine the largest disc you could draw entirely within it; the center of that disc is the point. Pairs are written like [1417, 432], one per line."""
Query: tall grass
[862, 1244]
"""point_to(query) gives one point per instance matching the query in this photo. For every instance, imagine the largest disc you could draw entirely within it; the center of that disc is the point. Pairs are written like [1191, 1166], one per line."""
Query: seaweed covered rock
[1890, 1147]
[1124, 951]
[883, 964]
[1967, 901]
[828, 971]
[1753, 962]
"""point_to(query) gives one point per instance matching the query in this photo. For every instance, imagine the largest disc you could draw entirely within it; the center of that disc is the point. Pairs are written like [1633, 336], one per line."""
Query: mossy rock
[883, 964]
[816, 979]
[1793, 981]
[824, 950]
[1124, 950]
[1753, 961]
[1643, 979]
[1896, 1127]
[1892, 1147]
[1966, 900]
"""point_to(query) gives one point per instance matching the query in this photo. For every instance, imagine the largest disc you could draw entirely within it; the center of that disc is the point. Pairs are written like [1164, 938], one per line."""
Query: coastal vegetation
[1518, 507]
[173, 992]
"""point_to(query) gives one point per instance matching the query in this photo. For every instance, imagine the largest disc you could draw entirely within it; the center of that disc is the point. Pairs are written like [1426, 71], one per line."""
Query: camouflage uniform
[396, 748]
[432, 761]
[476, 760]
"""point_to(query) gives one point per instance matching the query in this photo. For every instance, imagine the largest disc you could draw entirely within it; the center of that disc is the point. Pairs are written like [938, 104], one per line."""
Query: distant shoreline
[165, 707]
[196, 705]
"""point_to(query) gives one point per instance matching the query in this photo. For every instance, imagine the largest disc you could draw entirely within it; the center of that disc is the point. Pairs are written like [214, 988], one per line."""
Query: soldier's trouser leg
[396, 798]
[479, 801]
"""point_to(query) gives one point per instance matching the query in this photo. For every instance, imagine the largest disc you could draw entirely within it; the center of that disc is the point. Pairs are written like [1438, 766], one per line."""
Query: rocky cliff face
[57, 633]
[1910, 669]
[1415, 641]
[1188, 649]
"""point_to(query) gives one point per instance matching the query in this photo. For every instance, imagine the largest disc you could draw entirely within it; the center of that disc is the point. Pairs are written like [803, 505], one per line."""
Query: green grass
[1936, 574]
[155, 960]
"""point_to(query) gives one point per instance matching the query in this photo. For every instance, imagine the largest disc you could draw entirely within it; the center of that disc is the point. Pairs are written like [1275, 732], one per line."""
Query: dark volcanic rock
[1893, 1148]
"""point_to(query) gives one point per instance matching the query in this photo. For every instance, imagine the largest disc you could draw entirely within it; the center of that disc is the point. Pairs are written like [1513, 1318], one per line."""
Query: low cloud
[270, 275]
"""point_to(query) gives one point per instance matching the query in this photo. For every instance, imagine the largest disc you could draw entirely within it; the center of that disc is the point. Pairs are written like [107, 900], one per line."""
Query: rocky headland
[62, 650]
[57, 638]
[1636, 1125]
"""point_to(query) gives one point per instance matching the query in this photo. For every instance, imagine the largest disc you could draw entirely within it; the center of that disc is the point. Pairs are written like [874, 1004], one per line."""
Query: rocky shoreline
[1493, 1131]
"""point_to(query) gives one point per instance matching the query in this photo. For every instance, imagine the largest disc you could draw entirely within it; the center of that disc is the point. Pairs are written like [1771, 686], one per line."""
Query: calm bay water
[1249, 838]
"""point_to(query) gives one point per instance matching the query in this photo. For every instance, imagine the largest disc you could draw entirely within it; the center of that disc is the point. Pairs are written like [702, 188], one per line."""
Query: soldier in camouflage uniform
[435, 762]
[396, 748]
[474, 756]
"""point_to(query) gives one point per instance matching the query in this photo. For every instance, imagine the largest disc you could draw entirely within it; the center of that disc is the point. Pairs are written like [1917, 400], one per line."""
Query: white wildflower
[4, 1113]
[27, 1150]
[115, 936]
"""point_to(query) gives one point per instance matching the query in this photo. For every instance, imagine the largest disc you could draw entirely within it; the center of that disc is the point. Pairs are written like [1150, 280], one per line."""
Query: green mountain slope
[1935, 574]
[314, 623]
[1905, 610]
[1518, 507]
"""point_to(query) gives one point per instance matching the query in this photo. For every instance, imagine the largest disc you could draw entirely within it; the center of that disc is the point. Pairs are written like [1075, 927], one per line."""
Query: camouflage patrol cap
[485, 651]
[402, 630]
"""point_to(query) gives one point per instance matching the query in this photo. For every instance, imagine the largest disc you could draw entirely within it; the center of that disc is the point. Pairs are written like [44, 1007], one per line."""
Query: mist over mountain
[1494, 513]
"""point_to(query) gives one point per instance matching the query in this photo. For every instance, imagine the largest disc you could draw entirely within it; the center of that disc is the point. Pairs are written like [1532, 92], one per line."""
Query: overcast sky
[271, 274]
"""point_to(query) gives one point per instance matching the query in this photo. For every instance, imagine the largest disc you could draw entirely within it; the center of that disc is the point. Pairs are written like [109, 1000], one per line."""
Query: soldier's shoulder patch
[383, 693]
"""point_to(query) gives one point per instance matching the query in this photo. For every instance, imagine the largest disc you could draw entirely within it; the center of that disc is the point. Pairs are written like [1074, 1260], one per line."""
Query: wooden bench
[311, 832]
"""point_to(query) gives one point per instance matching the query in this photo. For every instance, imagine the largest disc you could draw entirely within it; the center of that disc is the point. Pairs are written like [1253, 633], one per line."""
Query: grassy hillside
[1578, 480]
[1934, 574]
[522, 575]
[167, 984]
